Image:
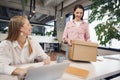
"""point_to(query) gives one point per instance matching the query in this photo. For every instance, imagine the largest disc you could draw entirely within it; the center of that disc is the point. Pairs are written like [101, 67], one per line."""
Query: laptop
[47, 72]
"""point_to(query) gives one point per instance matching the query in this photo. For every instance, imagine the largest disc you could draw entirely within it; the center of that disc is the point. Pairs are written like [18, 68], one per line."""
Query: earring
[21, 33]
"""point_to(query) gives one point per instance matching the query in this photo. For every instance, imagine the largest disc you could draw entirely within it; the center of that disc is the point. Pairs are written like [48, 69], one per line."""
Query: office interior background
[48, 18]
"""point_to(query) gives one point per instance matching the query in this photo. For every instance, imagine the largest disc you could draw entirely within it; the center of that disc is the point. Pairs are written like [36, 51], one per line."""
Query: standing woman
[19, 48]
[76, 29]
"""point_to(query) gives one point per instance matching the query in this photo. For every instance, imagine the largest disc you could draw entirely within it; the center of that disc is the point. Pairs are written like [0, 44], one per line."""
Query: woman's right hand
[69, 42]
[20, 72]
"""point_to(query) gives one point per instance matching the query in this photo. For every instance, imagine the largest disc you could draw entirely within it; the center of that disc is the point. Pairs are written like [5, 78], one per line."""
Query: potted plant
[110, 29]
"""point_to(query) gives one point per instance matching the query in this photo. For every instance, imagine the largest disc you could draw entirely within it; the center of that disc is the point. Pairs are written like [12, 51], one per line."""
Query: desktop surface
[100, 69]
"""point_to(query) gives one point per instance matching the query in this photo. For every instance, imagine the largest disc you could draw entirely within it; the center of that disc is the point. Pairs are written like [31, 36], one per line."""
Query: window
[49, 29]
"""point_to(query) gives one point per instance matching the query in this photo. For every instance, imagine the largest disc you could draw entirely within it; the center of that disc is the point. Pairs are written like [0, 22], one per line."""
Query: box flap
[84, 43]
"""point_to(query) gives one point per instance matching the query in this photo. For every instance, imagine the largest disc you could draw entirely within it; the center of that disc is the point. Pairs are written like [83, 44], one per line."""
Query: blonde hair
[14, 26]
[29, 46]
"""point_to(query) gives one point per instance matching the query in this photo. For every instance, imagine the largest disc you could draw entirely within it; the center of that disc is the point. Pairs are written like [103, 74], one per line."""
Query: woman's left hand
[47, 61]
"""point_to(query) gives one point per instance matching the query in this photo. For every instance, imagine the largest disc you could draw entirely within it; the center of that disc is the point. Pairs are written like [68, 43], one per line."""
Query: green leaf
[107, 30]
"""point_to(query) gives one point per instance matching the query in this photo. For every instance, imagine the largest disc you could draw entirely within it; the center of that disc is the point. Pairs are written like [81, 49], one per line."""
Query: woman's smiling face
[78, 13]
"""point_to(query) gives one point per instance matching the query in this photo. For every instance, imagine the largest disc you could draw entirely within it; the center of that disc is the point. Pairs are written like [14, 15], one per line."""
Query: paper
[77, 71]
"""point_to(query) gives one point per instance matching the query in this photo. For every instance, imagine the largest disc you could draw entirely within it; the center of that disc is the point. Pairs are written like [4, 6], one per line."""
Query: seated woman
[19, 48]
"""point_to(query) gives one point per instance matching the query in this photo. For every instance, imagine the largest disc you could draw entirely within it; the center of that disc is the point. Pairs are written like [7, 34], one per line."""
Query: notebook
[77, 71]
[47, 72]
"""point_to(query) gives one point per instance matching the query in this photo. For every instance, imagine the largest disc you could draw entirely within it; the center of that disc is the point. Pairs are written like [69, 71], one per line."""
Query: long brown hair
[14, 26]
[78, 6]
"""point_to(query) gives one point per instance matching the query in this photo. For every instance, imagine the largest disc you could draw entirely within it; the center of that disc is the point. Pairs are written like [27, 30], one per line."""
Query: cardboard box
[83, 51]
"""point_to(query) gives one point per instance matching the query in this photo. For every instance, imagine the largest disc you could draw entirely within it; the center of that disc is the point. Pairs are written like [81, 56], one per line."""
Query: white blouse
[12, 54]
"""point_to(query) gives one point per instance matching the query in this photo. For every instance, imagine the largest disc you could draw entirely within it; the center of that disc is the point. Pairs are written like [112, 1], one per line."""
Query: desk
[8, 77]
[97, 70]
